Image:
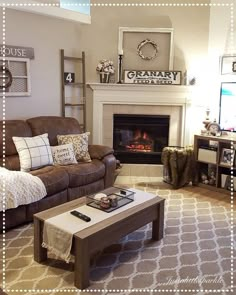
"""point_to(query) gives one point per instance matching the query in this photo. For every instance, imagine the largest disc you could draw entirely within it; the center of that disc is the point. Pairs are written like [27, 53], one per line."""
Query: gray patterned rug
[194, 257]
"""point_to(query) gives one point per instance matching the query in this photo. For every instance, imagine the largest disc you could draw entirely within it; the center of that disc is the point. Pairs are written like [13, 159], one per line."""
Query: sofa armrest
[99, 151]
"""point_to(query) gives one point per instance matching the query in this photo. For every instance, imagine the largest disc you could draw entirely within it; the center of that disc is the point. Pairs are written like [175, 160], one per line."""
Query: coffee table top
[111, 219]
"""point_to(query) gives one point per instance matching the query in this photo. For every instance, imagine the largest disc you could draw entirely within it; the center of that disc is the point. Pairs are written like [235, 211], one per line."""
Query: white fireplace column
[109, 99]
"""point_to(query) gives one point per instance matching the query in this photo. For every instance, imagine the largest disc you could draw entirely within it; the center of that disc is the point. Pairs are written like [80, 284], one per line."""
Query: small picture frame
[228, 65]
[226, 156]
[234, 67]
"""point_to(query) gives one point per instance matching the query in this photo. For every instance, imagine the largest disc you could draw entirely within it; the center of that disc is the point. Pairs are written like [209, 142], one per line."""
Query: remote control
[80, 215]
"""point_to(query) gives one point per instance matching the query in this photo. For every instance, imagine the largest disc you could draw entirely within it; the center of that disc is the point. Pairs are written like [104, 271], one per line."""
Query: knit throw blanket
[179, 166]
[19, 188]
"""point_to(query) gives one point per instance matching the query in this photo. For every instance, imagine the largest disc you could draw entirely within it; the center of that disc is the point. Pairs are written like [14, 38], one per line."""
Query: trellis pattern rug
[194, 257]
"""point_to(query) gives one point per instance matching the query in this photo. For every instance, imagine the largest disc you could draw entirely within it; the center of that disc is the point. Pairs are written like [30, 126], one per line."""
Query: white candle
[120, 51]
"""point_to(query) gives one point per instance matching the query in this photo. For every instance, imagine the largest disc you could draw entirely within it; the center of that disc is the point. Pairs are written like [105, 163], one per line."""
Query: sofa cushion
[34, 152]
[53, 125]
[55, 178]
[85, 173]
[80, 145]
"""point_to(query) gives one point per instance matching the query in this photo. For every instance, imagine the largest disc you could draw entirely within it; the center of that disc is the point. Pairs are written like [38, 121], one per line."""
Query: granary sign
[153, 77]
[17, 51]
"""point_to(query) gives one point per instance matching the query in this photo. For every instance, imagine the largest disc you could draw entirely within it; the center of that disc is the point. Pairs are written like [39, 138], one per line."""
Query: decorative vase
[104, 77]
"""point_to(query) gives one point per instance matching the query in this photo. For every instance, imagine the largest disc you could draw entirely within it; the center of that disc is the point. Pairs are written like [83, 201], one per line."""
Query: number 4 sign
[69, 77]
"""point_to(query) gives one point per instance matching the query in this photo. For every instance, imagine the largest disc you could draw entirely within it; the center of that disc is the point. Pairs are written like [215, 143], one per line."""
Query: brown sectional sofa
[63, 183]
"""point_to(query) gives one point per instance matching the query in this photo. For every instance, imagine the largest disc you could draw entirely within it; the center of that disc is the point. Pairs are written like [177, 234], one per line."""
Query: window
[82, 6]
[20, 70]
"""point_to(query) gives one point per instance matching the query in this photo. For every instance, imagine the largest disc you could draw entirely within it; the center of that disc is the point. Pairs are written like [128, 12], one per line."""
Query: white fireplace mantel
[139, 96]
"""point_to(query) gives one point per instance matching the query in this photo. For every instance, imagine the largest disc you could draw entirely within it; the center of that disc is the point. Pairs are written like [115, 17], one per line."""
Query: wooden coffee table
[102, 234]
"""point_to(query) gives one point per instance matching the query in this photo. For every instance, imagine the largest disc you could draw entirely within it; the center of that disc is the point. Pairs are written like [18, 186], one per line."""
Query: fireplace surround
[167, 100]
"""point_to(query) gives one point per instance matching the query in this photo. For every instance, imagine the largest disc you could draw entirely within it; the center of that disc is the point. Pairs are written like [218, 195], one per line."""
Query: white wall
[221, 24]
[47, 36]
[222, 40]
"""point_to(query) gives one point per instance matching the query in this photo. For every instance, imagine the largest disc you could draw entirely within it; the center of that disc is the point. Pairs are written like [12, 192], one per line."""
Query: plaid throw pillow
[80, 145]
[34, 152]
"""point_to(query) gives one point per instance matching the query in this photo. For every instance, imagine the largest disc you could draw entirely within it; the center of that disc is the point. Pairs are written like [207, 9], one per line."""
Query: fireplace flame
[141, 142]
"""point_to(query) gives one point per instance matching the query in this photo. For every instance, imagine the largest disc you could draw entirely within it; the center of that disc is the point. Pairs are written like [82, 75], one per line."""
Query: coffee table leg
[82, 262]
[158, 224]
[40, 253]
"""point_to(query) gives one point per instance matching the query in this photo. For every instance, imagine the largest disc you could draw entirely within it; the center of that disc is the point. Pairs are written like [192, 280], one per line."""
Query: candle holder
[120, 69]
[207, 121]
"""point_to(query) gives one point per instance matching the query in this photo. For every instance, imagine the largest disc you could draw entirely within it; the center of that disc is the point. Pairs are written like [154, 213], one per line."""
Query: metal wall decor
[6, 77]
[144, 43]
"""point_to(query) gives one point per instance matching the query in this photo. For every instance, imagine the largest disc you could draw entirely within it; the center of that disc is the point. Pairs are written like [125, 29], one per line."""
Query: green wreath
[142, 44]
[7, 76]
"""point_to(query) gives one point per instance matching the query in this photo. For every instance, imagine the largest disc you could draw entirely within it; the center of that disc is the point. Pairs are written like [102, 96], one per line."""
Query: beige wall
[47, 36]
[191, 28]
[191, 34]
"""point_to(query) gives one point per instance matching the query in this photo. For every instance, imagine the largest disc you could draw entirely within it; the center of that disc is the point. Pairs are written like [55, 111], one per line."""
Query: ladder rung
[73, 58]
[75, 84]
[74, 104]
[75, 98]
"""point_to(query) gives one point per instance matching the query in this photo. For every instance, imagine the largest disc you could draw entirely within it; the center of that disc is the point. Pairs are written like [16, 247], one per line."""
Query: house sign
[17, 51]
[153, 77]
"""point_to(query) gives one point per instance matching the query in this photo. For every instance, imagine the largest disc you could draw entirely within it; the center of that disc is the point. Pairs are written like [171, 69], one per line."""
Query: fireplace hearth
[140, 138]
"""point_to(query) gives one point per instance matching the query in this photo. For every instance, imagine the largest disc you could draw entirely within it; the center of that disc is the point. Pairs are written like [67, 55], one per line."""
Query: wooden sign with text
[17, 51]
[153, 77]
[69, 77]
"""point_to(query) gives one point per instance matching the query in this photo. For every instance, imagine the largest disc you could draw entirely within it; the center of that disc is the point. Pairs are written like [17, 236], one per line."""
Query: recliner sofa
[63, 183]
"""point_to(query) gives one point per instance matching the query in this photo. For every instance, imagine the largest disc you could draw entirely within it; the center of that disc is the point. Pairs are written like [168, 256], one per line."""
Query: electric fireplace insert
[140, 138]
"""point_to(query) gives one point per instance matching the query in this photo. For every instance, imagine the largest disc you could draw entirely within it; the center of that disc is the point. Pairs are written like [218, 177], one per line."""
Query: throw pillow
[63, 154]
[80, 145]
[34, 152]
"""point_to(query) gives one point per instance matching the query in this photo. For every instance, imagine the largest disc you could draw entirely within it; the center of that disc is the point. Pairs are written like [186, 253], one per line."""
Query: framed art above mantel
[146, 48]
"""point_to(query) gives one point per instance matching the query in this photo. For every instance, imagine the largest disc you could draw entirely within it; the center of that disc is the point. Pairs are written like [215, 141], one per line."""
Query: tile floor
[134, 173]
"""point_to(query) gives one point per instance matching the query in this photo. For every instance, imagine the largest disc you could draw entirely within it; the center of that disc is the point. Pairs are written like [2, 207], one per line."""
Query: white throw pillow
[34, 152]
[63, 154]
[80, 145]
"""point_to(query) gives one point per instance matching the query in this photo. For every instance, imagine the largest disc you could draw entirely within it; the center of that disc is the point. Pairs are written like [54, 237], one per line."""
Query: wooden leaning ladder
[81, 84]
